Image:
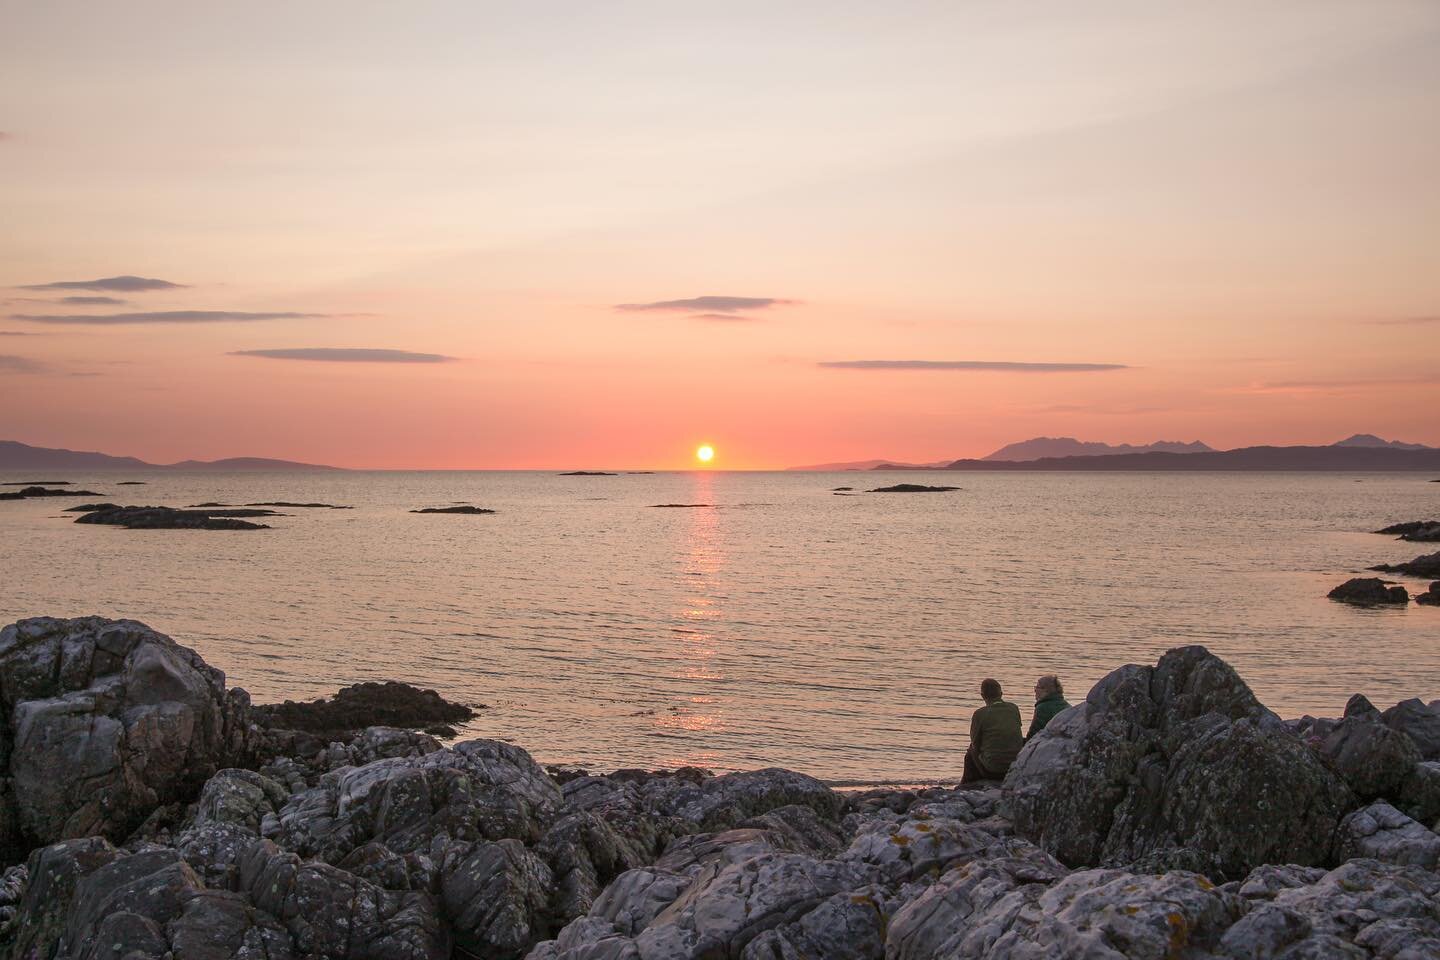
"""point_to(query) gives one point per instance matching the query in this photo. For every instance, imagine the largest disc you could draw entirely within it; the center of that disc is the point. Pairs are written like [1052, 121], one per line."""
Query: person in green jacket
[994, 736]
[1049, 700]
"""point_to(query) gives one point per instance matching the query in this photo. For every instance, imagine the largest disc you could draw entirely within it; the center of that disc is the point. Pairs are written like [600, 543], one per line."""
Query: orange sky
[1233, 211]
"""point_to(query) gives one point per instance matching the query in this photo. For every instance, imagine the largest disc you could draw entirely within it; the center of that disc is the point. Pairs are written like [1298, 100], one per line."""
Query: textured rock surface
[1380, 832]
[1176, 765]
[1371, 757]
[352, 709]
[1426, 565]
[101, 721]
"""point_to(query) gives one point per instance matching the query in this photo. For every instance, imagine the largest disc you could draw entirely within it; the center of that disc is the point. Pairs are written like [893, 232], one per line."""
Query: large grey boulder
[1373, 759]
[101, 721]
[1361, 909]
[1175, 766]
[1380, 832]
[1419, 722]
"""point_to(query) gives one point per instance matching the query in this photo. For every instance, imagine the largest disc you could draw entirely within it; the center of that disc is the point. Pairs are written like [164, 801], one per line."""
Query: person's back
[996, 729]
[1049, 703]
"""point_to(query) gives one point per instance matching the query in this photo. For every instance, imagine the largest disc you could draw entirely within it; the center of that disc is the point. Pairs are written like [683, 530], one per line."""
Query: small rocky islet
[36, 493]
[147, 810]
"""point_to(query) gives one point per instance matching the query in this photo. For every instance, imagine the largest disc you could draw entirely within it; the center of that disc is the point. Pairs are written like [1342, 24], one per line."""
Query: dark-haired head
[990, 689]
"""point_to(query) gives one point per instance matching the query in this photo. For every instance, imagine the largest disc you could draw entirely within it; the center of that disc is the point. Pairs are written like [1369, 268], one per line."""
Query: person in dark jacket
[1049, 700]
[994, 736]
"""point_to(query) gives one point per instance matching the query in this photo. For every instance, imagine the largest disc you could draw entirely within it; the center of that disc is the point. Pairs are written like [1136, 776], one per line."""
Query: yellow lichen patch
[900, 840]
[1179, 935]
[1204, 884]
[924, 827]
[864, 899]
[1131, 910]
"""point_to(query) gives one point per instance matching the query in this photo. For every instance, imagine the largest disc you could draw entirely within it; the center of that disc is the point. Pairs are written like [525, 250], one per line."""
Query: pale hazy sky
[1231, 209]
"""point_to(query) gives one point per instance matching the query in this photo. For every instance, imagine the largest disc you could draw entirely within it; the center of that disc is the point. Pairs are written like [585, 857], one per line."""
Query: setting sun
[705, 454]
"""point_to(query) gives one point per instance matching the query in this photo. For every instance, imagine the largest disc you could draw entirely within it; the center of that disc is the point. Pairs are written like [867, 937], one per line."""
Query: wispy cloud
[14, 364]
[162, 316]
[122, 284]
[94, 301]
[709, 304]
[1406, 321]
[15, 333]
[345, 355]
[996, 365]
[723, 318]
[1330, 386]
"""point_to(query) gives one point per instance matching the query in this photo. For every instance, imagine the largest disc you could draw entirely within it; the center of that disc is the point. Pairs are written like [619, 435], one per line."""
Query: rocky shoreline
[147, 810]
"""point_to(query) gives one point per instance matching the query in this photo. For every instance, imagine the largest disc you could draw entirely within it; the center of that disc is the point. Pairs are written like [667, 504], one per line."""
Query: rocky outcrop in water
[1427, 565]
[352, 709]
[457, 509]
[1430, 597]
[169, 518]
[1419, 531]
[1368, 591]
[386, 846]
[913, 488]
[36, 493]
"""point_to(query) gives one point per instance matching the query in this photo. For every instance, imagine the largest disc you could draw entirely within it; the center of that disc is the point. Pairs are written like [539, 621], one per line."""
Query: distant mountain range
[21, 456]
[1332, 458]
[1361, 452]
[1070, 447]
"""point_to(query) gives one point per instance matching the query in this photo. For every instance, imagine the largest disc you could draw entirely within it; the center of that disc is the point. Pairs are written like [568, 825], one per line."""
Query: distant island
[1041, 447]
[21, 456]
[1360, 452]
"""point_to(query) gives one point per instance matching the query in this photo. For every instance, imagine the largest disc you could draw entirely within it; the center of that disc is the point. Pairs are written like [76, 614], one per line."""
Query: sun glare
[705, 454]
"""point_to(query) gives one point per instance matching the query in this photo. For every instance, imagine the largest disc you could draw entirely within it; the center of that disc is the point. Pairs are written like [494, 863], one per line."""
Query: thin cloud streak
[94, 301]
[124, 284]
[712, 304]
[163, 316]
[14, 364]
[994, 365]
[345, 355]
[1405, 321]
[723, 318]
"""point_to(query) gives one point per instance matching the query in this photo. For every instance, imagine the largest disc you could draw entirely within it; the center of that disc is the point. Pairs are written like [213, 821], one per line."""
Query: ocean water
[843, 636]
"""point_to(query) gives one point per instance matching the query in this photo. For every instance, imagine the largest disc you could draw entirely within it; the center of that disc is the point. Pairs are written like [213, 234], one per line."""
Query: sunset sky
[464, 234]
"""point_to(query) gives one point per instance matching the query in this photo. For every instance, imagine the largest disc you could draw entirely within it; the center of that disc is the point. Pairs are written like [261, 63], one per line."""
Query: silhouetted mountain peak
[1370, 440]
[1041, 447]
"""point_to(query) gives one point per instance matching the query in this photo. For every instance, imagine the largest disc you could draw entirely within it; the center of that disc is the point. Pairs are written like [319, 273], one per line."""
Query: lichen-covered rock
[1383, 833]
[1176, 765]
[495, 898]
[1420, 794]
[1355, 910]
[101, 721]
[921, 847]
[478, 790]
[1373, 759]
[847, 926]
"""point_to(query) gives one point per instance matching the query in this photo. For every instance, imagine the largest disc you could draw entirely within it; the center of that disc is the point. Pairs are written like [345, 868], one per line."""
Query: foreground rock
[102, 721]
[1175, 766]
[353, 708]
[460, 509]
[386, 846]
[1422, 566]
[1368, 591]
[1419, 531]
[169, 518]
[1430, 597]
[912, 488]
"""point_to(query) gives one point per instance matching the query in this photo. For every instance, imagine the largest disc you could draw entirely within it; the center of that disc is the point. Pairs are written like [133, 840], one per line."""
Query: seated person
[1049, 700]
[994, 736]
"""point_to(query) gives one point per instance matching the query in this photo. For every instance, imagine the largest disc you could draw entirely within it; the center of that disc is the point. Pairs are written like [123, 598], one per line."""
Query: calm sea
[843, 636]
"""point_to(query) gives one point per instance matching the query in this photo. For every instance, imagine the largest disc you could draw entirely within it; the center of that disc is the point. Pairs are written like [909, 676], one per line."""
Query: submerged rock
[589, 473]
[1176, 765]
[92, 507]
[1367, 591]
[169, 518]
[1430, 597]
[287, 503]
[912, 488]
[352, 709]
[1427, 565]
